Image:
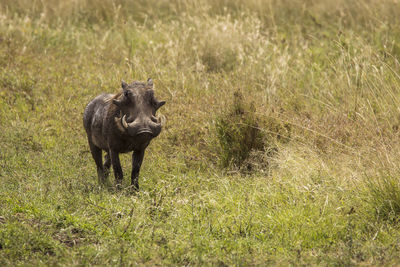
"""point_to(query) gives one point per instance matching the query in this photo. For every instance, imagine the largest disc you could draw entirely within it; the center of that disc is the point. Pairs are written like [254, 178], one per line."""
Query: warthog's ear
[160, 104]
[117, 102]
[150, 82]
[124, 85]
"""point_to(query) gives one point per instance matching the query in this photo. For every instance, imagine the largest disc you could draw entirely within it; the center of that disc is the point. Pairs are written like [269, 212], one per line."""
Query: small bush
[247, 139]
[384, 196]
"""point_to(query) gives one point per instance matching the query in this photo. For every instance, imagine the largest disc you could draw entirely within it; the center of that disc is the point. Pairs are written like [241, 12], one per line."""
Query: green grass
[321, 85]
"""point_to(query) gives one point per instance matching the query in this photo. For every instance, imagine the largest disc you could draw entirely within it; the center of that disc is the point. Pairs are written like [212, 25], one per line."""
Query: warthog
[122, 123]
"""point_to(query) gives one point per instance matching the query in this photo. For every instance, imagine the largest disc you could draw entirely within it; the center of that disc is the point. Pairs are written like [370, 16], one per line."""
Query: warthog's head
[138, 109]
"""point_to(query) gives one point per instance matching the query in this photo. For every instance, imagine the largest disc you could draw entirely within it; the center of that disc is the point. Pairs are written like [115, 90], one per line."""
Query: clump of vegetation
[239, 132]
[246, 138]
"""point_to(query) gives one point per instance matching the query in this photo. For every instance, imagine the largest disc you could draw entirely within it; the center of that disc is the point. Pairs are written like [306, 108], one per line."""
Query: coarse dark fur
[122, 123]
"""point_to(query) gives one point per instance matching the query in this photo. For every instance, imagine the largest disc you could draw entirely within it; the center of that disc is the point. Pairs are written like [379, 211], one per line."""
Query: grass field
[281, 144]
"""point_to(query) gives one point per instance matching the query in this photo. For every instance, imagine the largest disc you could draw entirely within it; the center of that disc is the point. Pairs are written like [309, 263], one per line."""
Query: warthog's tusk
[124, 123]
[161, 118]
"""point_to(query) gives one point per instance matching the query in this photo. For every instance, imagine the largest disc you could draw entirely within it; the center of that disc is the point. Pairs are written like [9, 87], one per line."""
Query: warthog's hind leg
[96, 153]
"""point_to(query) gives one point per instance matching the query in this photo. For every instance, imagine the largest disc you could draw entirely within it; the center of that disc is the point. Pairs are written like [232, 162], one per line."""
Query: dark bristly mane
[115, 96]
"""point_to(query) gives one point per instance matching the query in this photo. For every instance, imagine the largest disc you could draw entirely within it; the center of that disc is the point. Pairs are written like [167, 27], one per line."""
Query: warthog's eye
[153, 102]
[126, 93]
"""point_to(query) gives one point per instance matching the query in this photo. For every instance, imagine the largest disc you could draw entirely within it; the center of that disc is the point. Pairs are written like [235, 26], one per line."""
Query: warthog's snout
[140, 125]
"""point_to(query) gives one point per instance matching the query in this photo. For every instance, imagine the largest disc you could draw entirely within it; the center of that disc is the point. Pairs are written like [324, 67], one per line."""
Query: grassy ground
[315, 84]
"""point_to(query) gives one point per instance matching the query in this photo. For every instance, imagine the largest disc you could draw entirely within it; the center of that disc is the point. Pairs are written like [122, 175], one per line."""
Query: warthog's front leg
[116, 167]
[137, 159]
